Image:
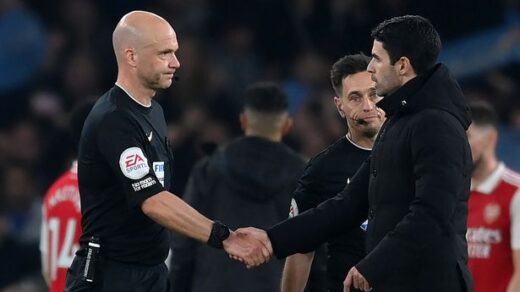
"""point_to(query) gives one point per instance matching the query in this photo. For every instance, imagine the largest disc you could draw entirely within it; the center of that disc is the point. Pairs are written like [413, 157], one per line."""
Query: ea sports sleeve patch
[126, 153]
[133, 163]
[140, 182]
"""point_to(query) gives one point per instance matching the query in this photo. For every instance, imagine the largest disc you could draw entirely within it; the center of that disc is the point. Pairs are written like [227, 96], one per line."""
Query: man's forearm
[514, 284]
[175, 214]
[46, 277]
[296, 272]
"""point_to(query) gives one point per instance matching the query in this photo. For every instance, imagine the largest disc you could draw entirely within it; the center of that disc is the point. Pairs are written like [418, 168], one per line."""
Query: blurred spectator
[20, 262]
[306, 80]
[24, 142]
[23, 45]
[80, 77]
[21, 55]
[21, 202]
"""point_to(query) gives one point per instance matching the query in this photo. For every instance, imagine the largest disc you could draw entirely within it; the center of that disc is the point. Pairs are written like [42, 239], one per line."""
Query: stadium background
[56, 53]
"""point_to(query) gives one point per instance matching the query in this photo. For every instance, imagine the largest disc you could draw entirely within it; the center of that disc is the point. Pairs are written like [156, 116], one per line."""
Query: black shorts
[114, 277]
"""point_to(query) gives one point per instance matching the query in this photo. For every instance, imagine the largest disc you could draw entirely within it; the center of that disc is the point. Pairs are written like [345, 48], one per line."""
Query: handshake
[250, 246]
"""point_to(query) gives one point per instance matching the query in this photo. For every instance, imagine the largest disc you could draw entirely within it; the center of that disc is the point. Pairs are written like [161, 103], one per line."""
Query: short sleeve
[119, 141]
[515, 221]
[308, 192]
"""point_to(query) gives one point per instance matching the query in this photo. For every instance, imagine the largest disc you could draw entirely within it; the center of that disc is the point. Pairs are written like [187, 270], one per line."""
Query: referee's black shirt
[325, 176]
[124, 158]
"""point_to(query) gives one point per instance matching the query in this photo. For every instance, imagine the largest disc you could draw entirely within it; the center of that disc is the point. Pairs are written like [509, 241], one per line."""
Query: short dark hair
[483, 114]
[411, 36]
[265, 97]
[347, 65]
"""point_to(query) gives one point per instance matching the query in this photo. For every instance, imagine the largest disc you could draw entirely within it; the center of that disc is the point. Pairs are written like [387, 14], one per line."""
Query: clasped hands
[250, 246]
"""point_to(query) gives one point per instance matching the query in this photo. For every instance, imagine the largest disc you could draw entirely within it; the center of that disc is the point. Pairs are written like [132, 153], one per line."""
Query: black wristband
[219, 233]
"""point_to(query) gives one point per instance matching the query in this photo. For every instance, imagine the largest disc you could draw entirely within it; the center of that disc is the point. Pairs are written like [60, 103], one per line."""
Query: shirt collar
[74, 166]
[133, 98]
[492, 181]
[356, 145]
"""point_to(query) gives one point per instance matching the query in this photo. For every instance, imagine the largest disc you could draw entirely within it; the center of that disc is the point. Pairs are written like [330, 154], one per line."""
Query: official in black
[330, 171]
[125, 173]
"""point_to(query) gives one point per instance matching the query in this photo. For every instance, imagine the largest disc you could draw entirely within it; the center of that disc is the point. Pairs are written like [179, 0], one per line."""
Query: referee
[329, 172]
[125, 165]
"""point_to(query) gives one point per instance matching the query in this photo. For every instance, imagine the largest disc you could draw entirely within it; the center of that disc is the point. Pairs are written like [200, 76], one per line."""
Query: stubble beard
[369, 132]
[157, 83]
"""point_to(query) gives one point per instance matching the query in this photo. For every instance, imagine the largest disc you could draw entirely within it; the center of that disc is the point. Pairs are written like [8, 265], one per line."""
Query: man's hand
[258, 238]
[354, 278]
[247, 249]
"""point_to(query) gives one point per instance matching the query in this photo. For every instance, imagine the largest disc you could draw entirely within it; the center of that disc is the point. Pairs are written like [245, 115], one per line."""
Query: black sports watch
[219, 233]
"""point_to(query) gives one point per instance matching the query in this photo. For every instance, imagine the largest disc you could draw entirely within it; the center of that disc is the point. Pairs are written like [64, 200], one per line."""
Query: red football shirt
[494, 230]
[61, 228]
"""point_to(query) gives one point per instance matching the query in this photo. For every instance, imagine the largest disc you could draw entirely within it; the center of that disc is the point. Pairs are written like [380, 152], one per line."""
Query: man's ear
[287, 125]
[492, 139]
[243, 121]
[405, 67]
[131, 57]
[338, 103]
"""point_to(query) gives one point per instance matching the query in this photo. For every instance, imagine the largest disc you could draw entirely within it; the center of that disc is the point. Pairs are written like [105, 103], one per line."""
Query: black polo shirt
[325, 176]
[124, 158]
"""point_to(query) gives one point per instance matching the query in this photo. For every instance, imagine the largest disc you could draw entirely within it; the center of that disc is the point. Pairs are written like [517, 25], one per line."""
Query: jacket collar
[435, 89]
[398, 100]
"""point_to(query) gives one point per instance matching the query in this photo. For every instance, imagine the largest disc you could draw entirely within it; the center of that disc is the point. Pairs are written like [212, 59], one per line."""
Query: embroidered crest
[491, 212]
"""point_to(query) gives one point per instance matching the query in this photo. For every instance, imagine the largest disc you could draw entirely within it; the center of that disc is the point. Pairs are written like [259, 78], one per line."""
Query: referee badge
[158, 169]
[133, 163]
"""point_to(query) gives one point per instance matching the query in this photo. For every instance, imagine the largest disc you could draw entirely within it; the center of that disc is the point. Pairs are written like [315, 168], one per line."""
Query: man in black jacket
[247, 182]
[415, 186]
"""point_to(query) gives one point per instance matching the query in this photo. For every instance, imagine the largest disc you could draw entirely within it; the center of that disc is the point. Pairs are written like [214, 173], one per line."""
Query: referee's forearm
[173, 213]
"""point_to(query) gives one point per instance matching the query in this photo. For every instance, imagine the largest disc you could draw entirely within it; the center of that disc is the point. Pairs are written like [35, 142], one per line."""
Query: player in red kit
[494, 210]
[61, 222]
[61, 228]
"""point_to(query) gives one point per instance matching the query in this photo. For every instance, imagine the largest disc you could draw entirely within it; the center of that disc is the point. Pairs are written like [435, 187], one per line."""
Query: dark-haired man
[328, 173]
[247, 182]
[494, 209]
[415, 185]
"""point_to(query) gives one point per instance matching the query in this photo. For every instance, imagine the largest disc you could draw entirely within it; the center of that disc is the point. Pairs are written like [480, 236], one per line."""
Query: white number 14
[63, 257]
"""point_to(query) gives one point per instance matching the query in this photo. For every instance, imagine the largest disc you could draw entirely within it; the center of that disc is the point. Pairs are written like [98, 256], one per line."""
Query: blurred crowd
[56, 53]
